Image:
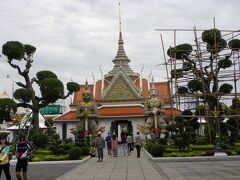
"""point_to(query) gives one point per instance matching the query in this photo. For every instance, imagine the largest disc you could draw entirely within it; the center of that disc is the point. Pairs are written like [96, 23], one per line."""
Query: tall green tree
[20, 57]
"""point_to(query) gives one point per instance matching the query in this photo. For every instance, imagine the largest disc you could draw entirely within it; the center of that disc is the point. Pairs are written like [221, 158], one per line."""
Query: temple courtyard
[133, 168]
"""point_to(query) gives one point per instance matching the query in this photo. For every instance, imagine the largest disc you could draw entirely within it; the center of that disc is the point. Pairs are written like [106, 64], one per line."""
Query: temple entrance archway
[120, 126]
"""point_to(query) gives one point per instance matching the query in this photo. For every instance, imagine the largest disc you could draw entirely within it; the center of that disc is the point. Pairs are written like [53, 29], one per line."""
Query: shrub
[163, 141]
[85, 150]
[34, 159]
[67, 147]
[228, 152]
[209, 153]
[55, 158]
[157, 150]
[237, 151]
[148, 146]
[40, 140]
[203, 147]
[224, 146]
[201, 141]
[42, 152]
[57, 150]
[75, 153]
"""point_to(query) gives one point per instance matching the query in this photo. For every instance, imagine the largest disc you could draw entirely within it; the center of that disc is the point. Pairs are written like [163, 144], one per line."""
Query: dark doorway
[64, 132]
[119, 125]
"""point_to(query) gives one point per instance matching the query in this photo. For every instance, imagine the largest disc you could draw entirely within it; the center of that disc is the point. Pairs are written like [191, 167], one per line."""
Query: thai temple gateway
[122, 101]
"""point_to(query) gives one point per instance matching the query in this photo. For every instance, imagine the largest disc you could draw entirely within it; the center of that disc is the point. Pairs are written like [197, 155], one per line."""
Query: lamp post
[217, 134]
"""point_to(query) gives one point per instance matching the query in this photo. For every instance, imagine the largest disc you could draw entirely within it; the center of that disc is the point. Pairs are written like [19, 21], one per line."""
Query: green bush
[201, 141]
[157, 150]
[180, 154]
[85, 150]
[148, 146]
[55, 158]
[237, 151]
[40, 140]
[67, 147]
[163, 141]
[57, 150]
[171, 149]
[42, 152]
[203, 147]
[209, 153]
[75, 153]
[35, 159]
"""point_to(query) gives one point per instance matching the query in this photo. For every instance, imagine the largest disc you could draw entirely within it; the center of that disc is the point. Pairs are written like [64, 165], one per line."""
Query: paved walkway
[209, 170]
[120, 168]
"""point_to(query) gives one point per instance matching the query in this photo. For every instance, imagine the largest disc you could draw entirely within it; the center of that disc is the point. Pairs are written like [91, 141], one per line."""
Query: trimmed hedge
[203, 147]
[75, 153]
[42, 151]
[157, 150]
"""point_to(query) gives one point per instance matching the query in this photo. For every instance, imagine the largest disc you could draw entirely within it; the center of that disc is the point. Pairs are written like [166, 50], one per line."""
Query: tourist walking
[22, 151]
[138, 144]
[100, 145]
[114, 145]
[124, 144]
[109, 144]
[129, 143]
[4, 160]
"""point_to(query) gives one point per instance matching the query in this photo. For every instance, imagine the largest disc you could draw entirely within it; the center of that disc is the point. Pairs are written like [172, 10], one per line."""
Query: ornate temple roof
[121, 87]
[121, 59]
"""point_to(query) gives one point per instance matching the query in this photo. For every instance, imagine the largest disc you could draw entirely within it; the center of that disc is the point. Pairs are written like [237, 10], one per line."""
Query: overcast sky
[74, 37]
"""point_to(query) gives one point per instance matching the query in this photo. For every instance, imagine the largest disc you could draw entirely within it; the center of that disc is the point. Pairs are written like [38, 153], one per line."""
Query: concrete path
[209, 170]
[120, 168]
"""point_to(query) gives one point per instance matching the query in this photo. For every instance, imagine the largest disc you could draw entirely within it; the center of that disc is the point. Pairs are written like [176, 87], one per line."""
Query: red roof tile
[121, 110]
[69, 116]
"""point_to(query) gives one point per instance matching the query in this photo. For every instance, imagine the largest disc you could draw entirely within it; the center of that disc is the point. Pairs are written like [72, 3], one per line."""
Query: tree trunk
[35, 121]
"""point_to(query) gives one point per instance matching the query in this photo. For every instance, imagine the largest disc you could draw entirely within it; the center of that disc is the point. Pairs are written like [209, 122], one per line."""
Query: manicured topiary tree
[7, 106]
[50, 86]
[157, 150]
[202, 71]
[75, 153]
[206, 78]
[183, 130]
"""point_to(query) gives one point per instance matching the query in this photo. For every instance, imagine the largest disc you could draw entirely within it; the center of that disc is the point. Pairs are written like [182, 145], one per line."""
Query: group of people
[112, 145]
[22, 150]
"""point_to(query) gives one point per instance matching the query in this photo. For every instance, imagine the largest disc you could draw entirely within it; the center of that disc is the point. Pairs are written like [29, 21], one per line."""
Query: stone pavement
[208, 170]
[120, 168]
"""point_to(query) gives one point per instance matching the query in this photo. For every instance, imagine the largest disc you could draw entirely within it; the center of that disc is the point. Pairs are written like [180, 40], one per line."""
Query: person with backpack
[4, 158]
[22, 150]
[109, 144]
[138, 144]
[100, 145]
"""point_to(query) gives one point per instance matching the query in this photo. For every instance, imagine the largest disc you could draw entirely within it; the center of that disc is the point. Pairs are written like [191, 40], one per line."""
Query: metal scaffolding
[200, 56]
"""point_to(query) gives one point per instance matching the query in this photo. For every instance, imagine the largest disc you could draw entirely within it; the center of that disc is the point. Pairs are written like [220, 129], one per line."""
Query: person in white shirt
[129, 142]
[138, 144]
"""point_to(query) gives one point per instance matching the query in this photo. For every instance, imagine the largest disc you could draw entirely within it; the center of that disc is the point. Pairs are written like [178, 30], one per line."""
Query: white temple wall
[70, 125]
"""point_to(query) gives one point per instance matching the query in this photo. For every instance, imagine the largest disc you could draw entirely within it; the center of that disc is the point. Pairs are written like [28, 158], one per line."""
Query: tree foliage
[50, 86]
[6, 105]
[183, 130]
[205, 75]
